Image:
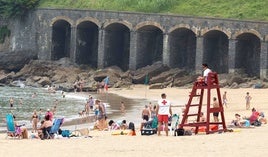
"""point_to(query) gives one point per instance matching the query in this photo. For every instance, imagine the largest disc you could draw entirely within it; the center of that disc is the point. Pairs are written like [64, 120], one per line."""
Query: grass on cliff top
[256, 10]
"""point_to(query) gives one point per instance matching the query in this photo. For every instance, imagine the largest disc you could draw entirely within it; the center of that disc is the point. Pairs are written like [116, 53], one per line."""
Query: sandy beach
[241, 142]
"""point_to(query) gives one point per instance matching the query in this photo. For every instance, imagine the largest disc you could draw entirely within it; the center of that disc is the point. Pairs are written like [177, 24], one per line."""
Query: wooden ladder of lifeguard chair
[212, 83]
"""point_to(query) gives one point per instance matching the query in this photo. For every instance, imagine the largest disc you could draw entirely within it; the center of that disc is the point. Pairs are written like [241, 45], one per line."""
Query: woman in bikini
[34, 121]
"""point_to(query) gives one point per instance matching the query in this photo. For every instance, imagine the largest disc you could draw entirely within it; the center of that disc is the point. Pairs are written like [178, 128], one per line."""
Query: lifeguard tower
[198, 90]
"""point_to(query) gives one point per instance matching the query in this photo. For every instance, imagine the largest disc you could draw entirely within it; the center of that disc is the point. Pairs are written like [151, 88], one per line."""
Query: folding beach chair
[174, 123]
[55, 128]
[12, 131]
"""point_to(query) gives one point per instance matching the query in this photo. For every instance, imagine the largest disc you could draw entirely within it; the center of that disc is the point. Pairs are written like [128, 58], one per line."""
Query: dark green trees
[16, 8]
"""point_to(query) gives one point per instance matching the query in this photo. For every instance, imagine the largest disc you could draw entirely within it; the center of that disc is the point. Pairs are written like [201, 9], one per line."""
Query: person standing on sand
[87, 107]
[34, 121]
[215, 105]
[224, 99]
[101, 123]
[91, 102]
[123, 108]
[146, 113]
[163, 110]
[248, 99]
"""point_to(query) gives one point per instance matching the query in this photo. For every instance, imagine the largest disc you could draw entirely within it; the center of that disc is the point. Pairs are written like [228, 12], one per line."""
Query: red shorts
[162, 118]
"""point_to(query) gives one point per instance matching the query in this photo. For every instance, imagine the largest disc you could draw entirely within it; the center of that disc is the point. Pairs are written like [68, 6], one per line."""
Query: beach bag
[257, 123]
[179, 132]
[65, 133]
[188, 133]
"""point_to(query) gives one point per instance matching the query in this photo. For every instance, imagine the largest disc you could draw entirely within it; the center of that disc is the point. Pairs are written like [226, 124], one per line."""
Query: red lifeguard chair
[198, 92]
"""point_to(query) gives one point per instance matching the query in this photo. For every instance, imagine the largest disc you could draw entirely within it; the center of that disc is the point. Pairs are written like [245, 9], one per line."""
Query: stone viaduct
[134, 40]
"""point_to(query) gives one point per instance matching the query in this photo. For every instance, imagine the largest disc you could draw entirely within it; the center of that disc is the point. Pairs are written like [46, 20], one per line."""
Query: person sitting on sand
[123, 125]
[50, 114]
[45, 127]
[131, 127]
[21, 130]
[240, 122]
[257, 117]
[202, 117]
[262, 118]
[254, 116]
[113, 125]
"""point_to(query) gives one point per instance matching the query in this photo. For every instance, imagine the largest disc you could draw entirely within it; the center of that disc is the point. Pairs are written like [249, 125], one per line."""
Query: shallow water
[67, 107]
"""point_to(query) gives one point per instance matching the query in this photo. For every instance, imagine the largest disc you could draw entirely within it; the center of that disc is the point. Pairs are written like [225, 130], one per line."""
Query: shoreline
[179, 100]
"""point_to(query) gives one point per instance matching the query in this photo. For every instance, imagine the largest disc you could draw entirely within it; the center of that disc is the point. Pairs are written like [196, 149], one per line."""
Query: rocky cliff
[62, 74]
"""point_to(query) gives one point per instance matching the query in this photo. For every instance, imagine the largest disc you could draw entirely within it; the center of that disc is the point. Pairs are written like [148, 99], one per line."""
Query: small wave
[75, 96]
[18, 83]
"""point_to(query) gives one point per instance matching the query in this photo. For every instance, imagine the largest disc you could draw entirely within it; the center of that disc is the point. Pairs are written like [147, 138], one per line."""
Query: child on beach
[224, 99]
[122, 108]
[240, 122]
[113, 125]
[96, 111]
[248, 99]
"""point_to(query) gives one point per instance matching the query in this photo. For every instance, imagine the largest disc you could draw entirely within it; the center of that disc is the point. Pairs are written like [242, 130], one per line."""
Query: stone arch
[93, 20]
[149, 45]
[146, 23]
[87, 35]
[228, 33]
[123, 22]
[61, 39]
[251, 31]
[117, 45]
[184, 26]
[65, 18]
[247, 56]
[216, 48]
[182, 48]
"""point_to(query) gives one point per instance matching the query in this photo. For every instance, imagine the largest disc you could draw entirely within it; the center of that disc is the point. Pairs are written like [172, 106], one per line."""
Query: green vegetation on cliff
[16, 8]
[235, 9]
[4, 32]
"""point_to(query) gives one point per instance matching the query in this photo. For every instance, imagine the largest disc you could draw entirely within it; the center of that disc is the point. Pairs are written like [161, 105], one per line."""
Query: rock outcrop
[16, 60]
[62, 74]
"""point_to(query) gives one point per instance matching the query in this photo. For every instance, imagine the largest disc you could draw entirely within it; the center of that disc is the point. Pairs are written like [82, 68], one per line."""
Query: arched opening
[61, 37]
[87, 44]
[216, 45]
[117, 42]
[149, 45]
[248, 49]
[182, 44]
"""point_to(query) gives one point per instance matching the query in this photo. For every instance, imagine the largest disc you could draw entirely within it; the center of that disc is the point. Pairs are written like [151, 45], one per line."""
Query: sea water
[34, 99]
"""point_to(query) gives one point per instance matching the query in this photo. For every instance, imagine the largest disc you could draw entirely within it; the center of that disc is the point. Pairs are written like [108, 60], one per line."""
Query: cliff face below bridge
[14, 61]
